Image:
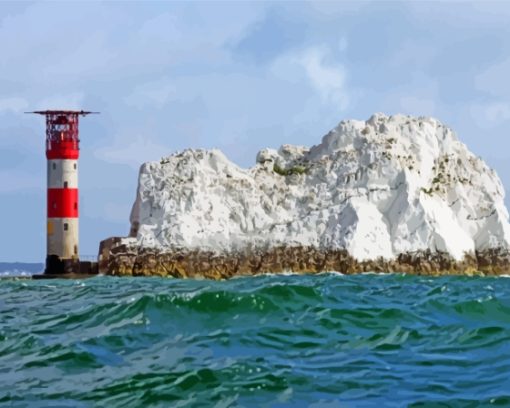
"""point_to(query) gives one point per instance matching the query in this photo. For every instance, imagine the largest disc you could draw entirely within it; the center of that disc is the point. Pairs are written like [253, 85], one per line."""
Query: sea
[325, 340]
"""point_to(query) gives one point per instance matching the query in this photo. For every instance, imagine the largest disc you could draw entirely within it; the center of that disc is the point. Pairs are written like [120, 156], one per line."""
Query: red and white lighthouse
[62, 152]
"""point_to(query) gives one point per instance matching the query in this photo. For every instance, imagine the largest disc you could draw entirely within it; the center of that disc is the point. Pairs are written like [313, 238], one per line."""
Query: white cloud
[414, 105]
[495, 79]
[413, 54]
[100, 41]
[491, 114]
[153, 94]
[163, 29]
[68, 101]
[498, 112]
[337, 8]
[15, 181]
[342, 44]
[132, 152]
[417, 96]
[14, 105]
[326, 76]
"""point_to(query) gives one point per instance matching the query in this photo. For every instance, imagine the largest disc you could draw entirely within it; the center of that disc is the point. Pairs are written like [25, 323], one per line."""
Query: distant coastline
[20, 268]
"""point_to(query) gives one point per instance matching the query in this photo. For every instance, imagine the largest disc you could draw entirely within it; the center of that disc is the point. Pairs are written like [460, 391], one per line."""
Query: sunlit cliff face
[376, 188]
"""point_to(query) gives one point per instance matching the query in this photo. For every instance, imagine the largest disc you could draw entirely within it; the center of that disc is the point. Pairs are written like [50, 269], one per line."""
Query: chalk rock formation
[389, 193]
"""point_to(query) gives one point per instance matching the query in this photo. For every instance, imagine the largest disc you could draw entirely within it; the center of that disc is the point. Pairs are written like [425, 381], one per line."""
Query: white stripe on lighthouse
[62, 240]
[61, 171]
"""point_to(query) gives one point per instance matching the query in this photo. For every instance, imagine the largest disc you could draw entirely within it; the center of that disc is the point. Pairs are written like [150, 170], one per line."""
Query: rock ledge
[119, 259]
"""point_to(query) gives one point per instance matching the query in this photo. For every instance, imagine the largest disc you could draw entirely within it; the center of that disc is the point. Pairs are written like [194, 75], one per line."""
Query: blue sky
[239, 76]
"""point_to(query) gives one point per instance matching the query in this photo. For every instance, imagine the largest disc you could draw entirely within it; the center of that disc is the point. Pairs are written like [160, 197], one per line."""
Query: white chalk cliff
[376, 188]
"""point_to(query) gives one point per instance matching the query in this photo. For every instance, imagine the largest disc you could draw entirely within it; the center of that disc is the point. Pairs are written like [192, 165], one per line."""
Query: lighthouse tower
[62, 152]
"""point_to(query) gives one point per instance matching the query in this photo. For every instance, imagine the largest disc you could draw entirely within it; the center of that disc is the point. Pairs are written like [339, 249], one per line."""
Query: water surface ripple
[269, 341]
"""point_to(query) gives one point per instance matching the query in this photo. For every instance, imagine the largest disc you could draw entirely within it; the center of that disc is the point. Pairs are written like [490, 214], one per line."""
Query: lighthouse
[62, 153]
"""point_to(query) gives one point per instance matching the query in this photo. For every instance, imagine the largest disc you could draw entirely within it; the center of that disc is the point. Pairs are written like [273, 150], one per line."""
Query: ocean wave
[361, 340]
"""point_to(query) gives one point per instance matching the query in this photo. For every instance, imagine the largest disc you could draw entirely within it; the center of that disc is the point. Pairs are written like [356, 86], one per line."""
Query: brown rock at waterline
[122, 260]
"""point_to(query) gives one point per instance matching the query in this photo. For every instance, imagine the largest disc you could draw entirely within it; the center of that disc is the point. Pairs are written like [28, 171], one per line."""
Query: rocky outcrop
[390, 194]
[183, 263]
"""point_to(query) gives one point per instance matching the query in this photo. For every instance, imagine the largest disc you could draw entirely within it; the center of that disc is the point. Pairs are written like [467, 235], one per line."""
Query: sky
[238, 76]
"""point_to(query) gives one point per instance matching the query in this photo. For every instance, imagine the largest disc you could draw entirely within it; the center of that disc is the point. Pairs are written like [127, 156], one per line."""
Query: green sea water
[269, 341]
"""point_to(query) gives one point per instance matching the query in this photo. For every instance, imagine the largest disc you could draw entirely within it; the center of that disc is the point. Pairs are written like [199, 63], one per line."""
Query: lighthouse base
[57, 268]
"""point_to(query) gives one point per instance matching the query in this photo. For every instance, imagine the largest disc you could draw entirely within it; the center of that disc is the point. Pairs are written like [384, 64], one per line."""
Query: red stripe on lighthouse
[62, 149]
[62, 203]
